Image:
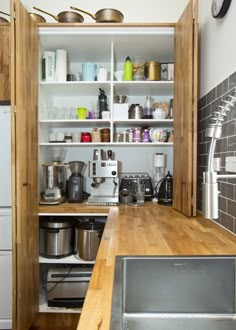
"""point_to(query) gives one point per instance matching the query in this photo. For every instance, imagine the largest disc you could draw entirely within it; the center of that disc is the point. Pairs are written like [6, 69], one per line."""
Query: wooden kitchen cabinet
[24, 95]
[5, 62]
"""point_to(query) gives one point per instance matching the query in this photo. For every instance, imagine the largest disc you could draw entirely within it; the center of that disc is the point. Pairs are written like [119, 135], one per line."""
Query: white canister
[48, 66]
[158, 113]
[102, 74]
[89, 71]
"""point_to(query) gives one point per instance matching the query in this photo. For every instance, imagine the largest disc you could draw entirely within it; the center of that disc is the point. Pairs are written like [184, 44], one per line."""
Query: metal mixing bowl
[120, 98]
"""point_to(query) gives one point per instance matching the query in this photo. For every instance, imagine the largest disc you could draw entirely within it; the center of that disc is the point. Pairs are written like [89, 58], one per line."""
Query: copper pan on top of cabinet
[106, 15]
[37, 18]
[64, 16]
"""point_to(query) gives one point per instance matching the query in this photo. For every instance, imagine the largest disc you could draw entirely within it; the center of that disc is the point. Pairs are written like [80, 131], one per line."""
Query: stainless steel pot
[56, 237]
[107, 15]
[88, 236]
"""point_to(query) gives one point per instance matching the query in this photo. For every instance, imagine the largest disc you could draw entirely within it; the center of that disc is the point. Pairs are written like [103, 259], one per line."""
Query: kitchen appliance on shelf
[56, 237]
[159, 164]
[130, 180]
[75, 182]
[54, 179]
[104, 172]
[87, 239]
[5, 219]
[165, 193]
[67, 286]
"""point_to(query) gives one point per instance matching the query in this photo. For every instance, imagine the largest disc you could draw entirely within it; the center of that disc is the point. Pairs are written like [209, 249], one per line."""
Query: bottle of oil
[102, 102]
[128, 69]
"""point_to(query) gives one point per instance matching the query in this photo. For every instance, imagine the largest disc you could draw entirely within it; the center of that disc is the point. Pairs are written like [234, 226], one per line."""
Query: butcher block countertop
[151, 229]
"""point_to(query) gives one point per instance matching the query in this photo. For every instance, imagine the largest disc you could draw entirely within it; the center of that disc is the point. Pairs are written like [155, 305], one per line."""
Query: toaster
[128, 181]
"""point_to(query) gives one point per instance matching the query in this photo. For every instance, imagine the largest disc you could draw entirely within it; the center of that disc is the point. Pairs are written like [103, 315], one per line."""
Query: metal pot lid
[56, 223]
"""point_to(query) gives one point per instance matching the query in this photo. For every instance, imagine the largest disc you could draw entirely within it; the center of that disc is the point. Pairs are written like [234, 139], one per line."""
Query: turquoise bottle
[128, 69]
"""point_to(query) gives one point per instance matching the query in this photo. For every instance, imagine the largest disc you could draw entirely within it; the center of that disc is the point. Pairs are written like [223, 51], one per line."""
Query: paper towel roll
[61, 65]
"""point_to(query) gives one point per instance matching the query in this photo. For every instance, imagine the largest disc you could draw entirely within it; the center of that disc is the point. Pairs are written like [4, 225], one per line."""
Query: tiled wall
[225, 146]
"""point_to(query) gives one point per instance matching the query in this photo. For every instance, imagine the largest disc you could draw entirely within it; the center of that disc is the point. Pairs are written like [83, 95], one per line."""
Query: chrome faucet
[210, 184]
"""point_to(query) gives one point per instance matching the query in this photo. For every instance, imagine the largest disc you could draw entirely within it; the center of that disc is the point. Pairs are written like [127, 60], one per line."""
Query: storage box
[120, 111]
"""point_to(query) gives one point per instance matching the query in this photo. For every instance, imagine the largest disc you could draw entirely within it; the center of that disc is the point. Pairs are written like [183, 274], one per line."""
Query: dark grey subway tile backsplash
[225, 147]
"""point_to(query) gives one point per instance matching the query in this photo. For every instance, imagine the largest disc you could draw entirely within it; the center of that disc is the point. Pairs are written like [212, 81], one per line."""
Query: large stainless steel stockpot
[56, 237]
[88, 237]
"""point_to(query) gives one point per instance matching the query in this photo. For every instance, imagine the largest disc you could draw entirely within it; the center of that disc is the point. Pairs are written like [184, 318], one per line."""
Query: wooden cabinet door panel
[185, 111]
[25, 220]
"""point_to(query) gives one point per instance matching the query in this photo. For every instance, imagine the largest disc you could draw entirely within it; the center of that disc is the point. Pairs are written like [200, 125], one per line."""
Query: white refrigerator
[5, 219]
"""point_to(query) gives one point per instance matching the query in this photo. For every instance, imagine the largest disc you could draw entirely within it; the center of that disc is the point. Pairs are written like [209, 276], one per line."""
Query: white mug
[76, 136]
[105, 114]
[60, 136]
[119, 75]
[102, 74]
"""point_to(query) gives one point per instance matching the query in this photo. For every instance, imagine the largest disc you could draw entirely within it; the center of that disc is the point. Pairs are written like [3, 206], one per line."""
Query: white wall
[217, 46]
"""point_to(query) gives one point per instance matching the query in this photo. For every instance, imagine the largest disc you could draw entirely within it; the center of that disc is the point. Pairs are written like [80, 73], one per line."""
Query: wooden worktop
[151, 229]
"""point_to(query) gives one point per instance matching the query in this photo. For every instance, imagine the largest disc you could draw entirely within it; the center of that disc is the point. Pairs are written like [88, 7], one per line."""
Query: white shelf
[43, 308]
[72, 88]
[137, 88]
[74, 123]
[67, 260]
[123, 144]
[88, 88]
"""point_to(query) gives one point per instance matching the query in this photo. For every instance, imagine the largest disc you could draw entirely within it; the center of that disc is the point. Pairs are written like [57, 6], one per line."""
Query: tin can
[130, 135]
[137, 134]
[152, 70]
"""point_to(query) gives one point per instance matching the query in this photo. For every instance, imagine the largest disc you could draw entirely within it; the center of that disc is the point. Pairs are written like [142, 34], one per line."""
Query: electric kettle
[165, 193]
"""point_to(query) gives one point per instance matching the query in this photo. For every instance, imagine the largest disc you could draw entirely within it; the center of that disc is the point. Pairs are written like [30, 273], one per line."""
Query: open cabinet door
[185, 111]
[24, 96]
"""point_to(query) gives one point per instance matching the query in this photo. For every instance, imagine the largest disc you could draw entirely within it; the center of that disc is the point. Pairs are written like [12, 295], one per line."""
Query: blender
[54, 179]
[75, 182]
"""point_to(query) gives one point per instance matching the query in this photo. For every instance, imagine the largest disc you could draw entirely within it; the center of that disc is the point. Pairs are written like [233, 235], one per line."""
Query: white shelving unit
[108, 47]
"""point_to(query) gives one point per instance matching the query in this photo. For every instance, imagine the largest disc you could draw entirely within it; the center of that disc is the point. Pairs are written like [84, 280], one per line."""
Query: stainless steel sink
[168, 293]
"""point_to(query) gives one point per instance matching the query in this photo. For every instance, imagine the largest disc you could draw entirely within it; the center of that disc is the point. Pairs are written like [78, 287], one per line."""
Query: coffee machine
[54, 183]
[75, 182]
[104, 172]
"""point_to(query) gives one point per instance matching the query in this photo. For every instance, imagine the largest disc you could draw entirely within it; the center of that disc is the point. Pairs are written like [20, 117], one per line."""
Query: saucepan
[2, 19]
[107, 15]
[37, 18]
[64, 16]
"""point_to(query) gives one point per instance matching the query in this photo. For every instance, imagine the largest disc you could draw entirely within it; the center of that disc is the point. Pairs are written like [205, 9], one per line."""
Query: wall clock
[219, 8]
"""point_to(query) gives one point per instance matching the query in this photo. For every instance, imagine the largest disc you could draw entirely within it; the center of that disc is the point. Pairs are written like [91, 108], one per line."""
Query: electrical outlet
[230, 164]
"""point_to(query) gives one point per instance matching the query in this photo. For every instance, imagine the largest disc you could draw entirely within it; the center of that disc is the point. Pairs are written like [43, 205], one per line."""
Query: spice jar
[68, 137]
[96, 135]
[105, 134]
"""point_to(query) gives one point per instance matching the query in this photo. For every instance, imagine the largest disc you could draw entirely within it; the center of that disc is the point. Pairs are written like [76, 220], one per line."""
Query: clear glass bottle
[148, 108]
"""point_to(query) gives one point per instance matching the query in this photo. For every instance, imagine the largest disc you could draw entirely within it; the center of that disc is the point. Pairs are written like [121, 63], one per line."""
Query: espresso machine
[54, 183]
[104, 172]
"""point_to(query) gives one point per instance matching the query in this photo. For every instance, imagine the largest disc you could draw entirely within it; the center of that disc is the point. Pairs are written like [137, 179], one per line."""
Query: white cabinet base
[5, 290]
[5, 324]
